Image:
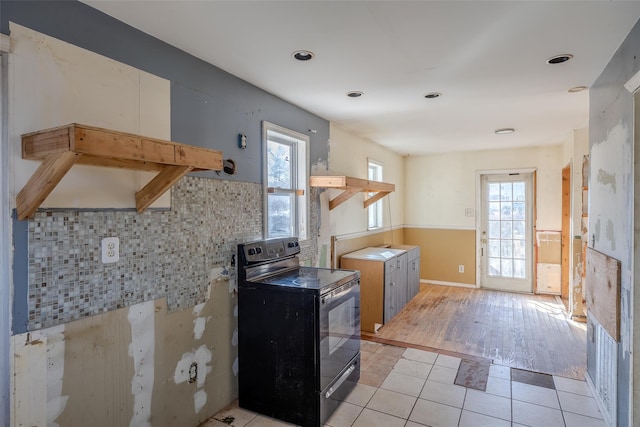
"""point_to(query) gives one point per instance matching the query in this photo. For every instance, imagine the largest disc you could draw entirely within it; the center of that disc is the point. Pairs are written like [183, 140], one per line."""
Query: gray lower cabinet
[413, 272]
[389, 278]
[395, 286]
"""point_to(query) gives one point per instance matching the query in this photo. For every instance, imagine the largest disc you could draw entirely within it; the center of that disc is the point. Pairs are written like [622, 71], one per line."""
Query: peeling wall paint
[142, 349]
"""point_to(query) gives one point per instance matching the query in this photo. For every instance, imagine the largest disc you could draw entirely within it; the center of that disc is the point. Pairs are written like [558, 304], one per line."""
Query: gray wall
[611, 194]
[209, 108]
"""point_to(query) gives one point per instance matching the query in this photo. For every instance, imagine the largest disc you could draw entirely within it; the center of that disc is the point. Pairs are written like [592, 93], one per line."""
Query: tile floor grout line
[449, 396]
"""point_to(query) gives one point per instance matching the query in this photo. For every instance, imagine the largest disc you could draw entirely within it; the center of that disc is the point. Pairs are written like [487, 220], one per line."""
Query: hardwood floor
[524, 331]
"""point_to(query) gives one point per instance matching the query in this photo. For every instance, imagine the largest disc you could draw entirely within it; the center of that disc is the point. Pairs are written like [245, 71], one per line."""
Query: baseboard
[441, 283]
[596, 397]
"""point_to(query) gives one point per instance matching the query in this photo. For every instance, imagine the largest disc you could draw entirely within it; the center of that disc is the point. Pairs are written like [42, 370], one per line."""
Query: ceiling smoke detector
[559, 59]
[433, 95]
[355, 94]
[302, 55]
[504, 131]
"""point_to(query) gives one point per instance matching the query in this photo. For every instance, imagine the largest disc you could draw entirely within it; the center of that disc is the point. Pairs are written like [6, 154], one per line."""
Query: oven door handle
[340, 380]
[337, 293]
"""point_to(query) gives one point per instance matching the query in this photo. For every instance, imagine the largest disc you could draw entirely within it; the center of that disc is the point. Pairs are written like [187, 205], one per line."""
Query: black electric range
[298, 333]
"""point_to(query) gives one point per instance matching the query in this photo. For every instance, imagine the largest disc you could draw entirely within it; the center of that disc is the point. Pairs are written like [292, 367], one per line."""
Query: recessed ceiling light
[559, 59]
[355, 94]
[577, 89]
[302, 55]
[504, 131]
[433, 95]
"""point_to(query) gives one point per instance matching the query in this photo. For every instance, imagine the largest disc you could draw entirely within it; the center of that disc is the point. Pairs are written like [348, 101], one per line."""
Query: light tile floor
[416, 389]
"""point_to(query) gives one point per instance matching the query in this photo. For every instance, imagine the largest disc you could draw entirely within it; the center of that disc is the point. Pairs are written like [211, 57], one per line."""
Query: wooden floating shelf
[62, 147]
[351, 187]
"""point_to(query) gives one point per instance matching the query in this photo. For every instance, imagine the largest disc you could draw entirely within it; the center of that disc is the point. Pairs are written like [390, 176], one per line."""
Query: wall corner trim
[5, 43]
[633, 83]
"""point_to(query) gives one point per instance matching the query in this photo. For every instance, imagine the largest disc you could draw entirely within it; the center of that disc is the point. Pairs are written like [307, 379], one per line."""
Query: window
[286, 182]
[375, 210]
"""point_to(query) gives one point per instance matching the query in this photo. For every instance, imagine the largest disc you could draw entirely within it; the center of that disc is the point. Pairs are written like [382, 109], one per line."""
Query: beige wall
[442, 251]
[344, 244]
[442, 186]
[348, 155]
[46, 79]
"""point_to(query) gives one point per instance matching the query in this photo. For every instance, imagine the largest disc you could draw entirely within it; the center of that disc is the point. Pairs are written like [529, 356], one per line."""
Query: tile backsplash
[163, 253]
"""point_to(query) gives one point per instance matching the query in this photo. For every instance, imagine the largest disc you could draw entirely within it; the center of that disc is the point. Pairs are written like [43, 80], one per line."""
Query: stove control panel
[268, 250]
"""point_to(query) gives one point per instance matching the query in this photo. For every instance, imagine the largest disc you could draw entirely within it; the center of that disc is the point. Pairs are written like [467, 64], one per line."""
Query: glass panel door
[506, 243]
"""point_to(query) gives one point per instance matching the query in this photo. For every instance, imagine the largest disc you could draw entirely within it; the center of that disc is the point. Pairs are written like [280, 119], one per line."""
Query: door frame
[566, 236]
[6, 398]
[479, 174]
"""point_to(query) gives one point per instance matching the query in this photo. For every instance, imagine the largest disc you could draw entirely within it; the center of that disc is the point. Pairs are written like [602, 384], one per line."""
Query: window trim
[377, 205]
[302, 162]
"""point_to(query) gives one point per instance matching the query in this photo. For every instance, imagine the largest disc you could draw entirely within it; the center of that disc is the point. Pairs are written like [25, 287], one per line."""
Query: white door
[506, 232]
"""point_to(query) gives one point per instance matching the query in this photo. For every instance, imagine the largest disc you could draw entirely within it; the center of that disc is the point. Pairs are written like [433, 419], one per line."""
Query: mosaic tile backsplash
[163, 253]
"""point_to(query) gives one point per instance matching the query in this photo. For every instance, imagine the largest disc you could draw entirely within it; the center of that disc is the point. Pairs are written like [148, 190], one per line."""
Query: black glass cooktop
[309, 277]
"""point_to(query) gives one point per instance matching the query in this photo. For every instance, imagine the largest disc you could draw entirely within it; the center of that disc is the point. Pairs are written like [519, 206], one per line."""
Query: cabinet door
[389, 289]
[413, 278]
[403, 292]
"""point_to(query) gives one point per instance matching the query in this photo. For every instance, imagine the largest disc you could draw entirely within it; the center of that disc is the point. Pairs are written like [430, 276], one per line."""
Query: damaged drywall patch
[607, 179]
[610, 233]
[234, 367]
[197, 310]
[201, 358]
[200, 322]
[56, 402]
[611, 192]
[320, 166]
[199, 400]
[142, 349]
[234, 343]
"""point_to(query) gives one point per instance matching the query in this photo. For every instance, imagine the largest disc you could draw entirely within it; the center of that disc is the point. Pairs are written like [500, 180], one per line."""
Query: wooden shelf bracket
[351, 187]
[62, 147]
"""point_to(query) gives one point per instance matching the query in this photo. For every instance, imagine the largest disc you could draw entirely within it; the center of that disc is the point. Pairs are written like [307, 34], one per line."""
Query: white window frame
[300, 172]
[375, 219]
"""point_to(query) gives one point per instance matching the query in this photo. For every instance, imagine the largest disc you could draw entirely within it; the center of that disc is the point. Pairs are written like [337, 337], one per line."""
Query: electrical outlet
[110, 250]
[468, 212]
[461, 268]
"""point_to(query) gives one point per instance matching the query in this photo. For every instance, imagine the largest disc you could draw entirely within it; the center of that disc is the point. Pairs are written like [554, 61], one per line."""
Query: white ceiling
[487, 58]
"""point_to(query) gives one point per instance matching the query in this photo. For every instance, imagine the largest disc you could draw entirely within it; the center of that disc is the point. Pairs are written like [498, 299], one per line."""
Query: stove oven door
[339, 335]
